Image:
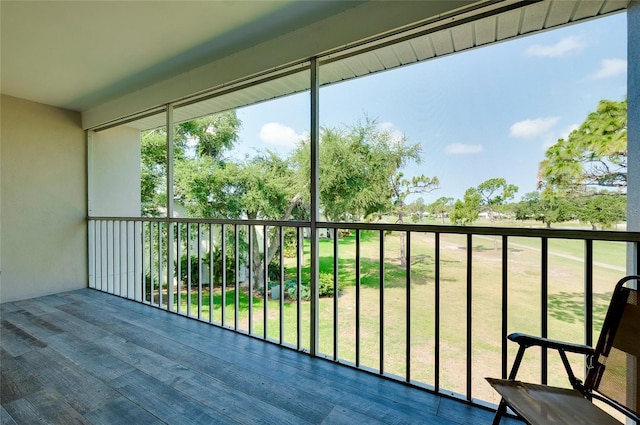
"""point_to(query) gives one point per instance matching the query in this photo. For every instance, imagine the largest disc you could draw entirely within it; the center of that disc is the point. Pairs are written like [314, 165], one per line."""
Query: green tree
[153, 172]
[267, 189]
[488, 196]
[262, 187]
[400, 189]
[213, 134]
[603, 208]
[494, 193]
[199, 148]
[466, 211]
[593, 155]
[418, 209]
[441, 207]
[545, 207]
[207, 184]
[360, 172]
[342, 180]
[359, 166]
[359, 176]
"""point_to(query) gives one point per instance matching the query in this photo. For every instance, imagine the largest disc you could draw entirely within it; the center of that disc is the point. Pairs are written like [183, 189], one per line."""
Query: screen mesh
[618, 378]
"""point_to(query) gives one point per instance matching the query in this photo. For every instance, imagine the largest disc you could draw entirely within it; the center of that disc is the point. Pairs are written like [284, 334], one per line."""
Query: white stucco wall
[633, 127]
[43, 235]
[115, 173]
[114, 183]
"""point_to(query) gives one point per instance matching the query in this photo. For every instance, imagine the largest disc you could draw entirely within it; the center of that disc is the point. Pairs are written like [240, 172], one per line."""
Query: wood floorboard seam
[158, 367]
[180, 349]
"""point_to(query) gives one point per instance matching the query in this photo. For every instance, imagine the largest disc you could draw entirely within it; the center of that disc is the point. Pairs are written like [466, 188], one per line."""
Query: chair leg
[502, 409]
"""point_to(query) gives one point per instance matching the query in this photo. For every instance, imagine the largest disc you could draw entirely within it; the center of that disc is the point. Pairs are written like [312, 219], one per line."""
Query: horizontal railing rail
[559, 233]
[429, 305]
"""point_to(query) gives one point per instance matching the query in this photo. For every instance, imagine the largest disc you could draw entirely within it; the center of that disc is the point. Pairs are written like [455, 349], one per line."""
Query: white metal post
[633, 168]
[90, 227]
[315, 204]
[633, 130]
[170, 230]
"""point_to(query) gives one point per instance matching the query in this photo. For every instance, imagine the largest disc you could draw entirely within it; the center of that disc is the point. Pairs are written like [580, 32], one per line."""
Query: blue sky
[489, 112]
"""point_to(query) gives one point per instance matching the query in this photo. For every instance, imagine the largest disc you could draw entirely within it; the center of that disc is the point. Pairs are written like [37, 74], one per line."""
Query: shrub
[290, 251]
[195, 270]
[325, 287]
[217, 267]
[274, 269]
[229, 267]
[290, 242]
[291, 288]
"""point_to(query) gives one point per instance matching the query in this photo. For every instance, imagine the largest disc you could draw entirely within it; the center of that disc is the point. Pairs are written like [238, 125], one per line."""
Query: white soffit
[515, 23]
[230, 98]
[419, 44]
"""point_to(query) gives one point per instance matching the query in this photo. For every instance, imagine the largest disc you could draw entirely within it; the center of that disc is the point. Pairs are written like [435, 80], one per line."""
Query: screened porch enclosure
[426, 305]
[130, 290]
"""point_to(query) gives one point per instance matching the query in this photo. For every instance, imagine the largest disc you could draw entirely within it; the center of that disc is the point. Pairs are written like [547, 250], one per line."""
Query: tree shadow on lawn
[343, 241]
[350, 239]
[483, 248]
[243, 300]
[422, 271]
[569, 307]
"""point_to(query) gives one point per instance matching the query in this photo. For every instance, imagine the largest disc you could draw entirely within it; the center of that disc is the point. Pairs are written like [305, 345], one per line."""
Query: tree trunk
[403, 252]
[273, 244]
[403, 248]
[257, 268]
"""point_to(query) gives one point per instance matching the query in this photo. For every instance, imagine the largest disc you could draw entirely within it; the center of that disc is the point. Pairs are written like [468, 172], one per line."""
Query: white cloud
[566, 46]
[278, 134]
[396, 135]
[529, 129]
[462, 149]
[552, 138]
[610, 68]
[568, 129]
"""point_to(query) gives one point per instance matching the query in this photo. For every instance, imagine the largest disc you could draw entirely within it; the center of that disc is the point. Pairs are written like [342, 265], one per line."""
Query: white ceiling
[77, 54]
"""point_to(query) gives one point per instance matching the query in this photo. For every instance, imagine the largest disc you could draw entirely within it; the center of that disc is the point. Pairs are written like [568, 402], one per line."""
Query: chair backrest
[616, 368]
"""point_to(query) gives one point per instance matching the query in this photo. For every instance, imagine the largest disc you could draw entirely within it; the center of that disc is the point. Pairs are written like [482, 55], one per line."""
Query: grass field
[565, 305]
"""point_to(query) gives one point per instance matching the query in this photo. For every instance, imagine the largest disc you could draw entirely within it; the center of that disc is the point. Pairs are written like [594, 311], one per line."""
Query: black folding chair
[612, 376]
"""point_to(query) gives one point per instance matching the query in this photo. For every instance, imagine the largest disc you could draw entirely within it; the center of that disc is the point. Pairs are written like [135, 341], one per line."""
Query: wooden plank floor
[88, 357]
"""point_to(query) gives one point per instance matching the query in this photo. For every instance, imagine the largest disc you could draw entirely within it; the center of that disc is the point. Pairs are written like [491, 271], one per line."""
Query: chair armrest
[530, 340]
